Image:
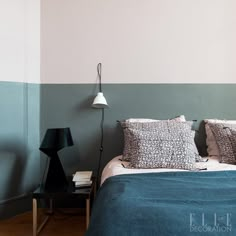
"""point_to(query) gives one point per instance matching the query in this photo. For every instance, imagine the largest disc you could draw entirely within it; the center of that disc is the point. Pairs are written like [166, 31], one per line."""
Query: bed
[165, 201]
[118, 167]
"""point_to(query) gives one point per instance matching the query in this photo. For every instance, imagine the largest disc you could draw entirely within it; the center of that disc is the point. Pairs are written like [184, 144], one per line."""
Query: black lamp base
[56, 179]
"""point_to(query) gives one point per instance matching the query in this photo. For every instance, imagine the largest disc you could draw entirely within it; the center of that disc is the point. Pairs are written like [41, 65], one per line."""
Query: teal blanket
[166, 204]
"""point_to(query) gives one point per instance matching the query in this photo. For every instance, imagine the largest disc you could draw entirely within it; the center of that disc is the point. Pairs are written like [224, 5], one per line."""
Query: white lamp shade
[100, 101]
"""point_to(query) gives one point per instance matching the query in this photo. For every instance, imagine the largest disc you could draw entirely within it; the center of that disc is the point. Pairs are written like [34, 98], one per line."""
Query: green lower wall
[70, 105]
[27, 110]
[19, 140]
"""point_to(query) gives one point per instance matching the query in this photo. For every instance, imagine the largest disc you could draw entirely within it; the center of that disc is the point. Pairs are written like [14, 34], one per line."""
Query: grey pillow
[162, 149]
[152, 127]
[223, 138]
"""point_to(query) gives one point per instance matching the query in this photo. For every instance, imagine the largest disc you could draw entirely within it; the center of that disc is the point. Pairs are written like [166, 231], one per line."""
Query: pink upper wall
[138, 41]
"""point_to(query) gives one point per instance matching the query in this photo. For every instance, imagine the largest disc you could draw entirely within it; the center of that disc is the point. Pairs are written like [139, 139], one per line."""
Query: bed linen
[181, 203]
[117, 167]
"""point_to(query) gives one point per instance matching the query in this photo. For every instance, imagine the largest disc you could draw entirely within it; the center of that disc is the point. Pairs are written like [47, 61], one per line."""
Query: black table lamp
[53, 141]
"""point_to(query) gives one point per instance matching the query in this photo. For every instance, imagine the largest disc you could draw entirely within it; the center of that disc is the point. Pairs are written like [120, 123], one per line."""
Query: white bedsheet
[115, 167]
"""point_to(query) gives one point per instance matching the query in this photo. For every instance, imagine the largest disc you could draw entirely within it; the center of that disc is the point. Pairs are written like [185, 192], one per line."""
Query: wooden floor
[60, 224]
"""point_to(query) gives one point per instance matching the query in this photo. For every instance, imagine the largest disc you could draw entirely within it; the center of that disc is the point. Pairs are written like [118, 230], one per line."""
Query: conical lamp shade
[100, 101]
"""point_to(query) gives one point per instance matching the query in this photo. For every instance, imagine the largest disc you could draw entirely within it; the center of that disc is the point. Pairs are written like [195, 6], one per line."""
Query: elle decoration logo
[210, 223]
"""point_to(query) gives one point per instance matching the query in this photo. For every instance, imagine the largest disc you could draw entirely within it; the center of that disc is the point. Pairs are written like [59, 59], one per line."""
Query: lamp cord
[101, 146]
[99, 70]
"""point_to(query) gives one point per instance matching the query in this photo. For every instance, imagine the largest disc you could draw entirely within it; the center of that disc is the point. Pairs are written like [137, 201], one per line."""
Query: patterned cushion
[167, 147]
[152, 127]
[141, 124]
[212, 147]
[128, 145]
[232, 138]
[223, 138]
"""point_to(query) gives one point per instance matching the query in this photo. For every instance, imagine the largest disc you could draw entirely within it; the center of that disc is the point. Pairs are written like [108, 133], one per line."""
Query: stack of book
[82, 179]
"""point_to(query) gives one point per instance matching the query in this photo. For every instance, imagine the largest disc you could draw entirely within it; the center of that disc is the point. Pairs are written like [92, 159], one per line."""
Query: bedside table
[80, 193]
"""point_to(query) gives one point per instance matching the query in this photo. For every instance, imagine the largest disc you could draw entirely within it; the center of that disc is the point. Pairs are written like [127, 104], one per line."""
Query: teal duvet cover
[166, 204]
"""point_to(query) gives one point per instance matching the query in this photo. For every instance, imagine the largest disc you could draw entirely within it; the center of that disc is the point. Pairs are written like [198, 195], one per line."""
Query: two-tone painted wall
[19, 103]
[138, 41]
[161, 58]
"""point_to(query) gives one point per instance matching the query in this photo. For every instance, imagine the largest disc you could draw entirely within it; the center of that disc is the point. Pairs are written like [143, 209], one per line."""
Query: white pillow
[140, 120]
[212, 148]
[180, 118]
